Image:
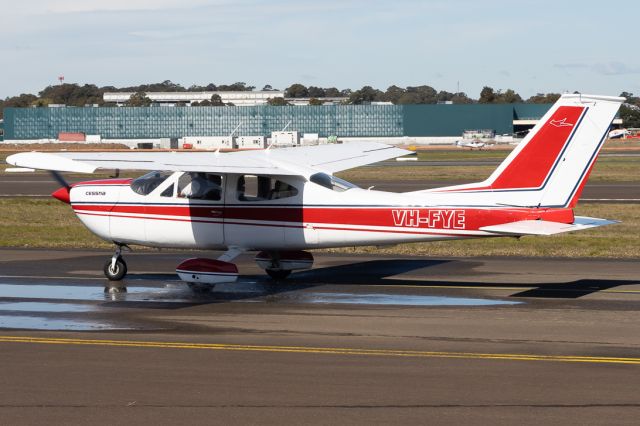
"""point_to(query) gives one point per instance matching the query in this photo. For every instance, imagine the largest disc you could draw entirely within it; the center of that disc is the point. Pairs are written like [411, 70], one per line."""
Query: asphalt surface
[41, 185]
[356, 340]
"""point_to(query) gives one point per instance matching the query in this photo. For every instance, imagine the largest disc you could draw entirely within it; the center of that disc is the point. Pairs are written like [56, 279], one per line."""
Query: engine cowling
[207, 271]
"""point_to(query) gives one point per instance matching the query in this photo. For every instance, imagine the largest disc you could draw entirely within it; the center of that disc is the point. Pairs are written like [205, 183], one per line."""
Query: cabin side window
[263, 188]
[200, 186]
[145, 185]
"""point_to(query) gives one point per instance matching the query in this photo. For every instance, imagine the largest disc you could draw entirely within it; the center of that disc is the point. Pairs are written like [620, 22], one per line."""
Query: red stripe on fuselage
[396, 217]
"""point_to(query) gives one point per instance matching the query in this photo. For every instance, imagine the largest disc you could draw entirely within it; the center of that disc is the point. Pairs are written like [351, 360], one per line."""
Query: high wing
[302, 161]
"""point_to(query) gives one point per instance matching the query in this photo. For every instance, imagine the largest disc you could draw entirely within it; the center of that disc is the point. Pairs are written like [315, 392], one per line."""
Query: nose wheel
[115, 268]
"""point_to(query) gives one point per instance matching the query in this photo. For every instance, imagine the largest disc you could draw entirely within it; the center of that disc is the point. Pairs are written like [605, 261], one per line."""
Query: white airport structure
[239, 98]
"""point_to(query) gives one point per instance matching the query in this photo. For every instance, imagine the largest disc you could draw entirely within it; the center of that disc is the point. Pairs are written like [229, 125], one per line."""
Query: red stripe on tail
[533, 163]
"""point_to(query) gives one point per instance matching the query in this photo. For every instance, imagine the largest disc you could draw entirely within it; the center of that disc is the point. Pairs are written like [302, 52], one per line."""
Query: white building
[244, 98]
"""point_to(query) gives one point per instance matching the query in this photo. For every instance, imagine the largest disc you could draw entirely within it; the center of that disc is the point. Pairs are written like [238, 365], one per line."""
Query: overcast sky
[528, 45]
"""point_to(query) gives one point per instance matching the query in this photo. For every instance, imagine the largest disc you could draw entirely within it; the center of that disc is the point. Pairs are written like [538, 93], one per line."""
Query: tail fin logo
[560, 123]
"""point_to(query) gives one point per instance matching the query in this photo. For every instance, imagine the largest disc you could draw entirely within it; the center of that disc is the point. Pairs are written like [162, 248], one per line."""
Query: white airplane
[281, 202]
[471, 144]
[618, 133]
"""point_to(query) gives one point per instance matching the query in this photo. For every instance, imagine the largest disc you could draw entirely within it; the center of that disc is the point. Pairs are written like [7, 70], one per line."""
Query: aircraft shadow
[387, 272]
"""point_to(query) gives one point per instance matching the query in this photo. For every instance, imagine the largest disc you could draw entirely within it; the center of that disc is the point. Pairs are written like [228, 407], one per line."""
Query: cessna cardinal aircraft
[280, 202]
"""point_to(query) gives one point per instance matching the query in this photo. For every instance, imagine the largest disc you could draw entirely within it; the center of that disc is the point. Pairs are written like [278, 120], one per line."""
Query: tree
[315, 101]
[296, 90]
[393, 94]
[316, 92]
[444, 96]
[216, 100]
[632, 100]
[165, 86]
[509, 97]
[541, 98]
[630, 116]
[365, 95]
[239, 86]
[461, 98]
[72, 95]
[138, 99]
[332, 92]
[22, 101]
[277, 101]
[487, 95]
[268, 88]
[423, 94]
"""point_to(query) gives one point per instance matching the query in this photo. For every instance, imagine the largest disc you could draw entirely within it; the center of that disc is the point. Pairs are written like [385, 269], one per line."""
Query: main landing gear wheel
[278, 274]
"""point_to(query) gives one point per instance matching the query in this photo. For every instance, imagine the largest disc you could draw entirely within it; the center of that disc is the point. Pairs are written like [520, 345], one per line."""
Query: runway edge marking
[320, 350]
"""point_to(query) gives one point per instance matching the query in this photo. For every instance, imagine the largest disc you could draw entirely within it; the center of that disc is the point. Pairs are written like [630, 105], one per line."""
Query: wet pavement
[357, 339]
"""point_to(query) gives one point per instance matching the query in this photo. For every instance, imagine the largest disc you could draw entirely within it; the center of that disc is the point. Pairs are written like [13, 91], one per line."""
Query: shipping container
[285, 138]
[208, 142]
[251, 142]
[71, 137]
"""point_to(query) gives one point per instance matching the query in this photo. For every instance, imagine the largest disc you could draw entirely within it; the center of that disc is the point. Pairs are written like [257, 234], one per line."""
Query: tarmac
[356, 340]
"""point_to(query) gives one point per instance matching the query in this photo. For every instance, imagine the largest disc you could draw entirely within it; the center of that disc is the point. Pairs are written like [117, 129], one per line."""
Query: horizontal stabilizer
[541, 227]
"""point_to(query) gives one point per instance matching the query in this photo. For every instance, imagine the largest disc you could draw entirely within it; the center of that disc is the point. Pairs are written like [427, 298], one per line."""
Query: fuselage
[217, 211]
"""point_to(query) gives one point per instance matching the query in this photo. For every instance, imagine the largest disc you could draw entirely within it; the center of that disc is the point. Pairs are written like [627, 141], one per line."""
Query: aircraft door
[258, 209]
[205, 193]
[192, 212]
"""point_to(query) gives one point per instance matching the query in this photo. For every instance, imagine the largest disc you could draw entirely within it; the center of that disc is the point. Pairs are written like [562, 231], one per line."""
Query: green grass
[51, 224]
[459, 154]
[28, 222]
[607, 169]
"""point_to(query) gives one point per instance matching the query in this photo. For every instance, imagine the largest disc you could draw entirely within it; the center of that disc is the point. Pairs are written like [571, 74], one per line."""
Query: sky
[529, 46]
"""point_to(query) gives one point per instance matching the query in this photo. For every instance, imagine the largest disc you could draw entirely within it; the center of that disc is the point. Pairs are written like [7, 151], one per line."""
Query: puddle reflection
[66, 292]
[45, 307]
[40, 323]
[392, 299]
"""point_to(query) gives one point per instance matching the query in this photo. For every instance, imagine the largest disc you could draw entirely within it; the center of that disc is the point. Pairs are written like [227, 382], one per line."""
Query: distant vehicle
[282, 202]
[471, 144]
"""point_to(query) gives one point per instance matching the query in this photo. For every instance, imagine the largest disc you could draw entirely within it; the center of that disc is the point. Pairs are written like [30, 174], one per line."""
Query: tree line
[90, 94]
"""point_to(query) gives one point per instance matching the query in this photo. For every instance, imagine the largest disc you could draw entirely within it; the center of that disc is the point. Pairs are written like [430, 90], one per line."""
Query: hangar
[343, 121]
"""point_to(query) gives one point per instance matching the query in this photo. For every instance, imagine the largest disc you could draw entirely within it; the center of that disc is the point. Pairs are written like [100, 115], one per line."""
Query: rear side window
[144, 185]
[262, 188]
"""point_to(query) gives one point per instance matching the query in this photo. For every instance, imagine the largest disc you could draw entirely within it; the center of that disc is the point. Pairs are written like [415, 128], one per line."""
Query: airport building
[238, 98]
[342, 121]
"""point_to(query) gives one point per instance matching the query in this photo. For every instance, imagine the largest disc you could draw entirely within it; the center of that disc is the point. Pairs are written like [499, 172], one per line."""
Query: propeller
[58, 178]
[62, 194]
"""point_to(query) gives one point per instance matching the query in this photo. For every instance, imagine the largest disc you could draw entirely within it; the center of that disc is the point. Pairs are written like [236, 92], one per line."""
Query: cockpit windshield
[331, 182]
[144, 185]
